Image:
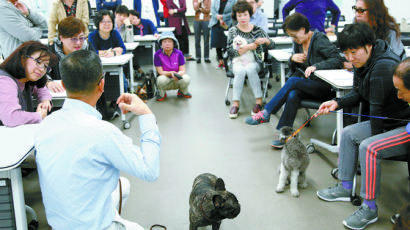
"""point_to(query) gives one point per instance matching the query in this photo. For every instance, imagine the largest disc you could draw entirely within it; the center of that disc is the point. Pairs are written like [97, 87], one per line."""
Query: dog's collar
[203, 212]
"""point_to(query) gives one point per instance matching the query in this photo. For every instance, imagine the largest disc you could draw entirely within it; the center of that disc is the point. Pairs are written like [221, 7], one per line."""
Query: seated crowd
[72, 62]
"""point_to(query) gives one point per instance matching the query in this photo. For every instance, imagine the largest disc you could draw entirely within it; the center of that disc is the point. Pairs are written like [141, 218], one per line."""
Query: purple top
[11, 113]
[169, 63]
[314, 10]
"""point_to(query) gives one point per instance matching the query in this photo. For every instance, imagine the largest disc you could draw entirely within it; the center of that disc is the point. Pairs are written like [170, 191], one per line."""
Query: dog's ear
[218, 201]
[220, 185]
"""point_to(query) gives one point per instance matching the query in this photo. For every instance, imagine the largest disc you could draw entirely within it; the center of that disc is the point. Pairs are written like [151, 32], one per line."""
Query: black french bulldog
[210, 203]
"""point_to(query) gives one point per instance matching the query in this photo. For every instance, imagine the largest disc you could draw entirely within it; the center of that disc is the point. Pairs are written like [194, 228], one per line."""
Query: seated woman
[170, 65]
[21, 75]
[256, 37]
[71, 37]
[312, 51]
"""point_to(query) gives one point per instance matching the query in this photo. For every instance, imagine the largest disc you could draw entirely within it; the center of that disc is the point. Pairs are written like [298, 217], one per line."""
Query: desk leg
[153, 53]
[131, 76]
[282, 74]
[18, 198]
[121, 87]
[339, 127]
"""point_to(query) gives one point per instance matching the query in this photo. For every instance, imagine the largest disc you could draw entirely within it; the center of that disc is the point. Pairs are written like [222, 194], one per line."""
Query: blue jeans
[294, 90]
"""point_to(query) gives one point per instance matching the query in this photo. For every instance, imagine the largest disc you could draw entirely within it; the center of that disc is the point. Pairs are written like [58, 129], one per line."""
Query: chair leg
[334, 137]
[265, 90]
[308, 117]
[227, 102]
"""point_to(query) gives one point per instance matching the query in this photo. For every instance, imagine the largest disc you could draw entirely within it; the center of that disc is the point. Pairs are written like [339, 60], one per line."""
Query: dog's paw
[304, 185]
[280, 189]
[295, 193]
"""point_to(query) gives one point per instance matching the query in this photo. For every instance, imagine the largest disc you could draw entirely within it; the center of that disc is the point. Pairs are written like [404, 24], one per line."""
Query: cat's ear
[218, 201]
[220, 185]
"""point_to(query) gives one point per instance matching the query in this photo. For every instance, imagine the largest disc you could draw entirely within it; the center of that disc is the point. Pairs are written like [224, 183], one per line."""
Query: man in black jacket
[372, 140]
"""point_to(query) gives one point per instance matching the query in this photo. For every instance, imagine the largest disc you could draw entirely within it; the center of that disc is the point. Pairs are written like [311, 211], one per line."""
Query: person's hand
[46, 105]
[252, 46]
[219, 17]
[299, 58]
[132, 103]
[55, 87]
[117, 50]
[261, 41]
[326, 107]
[20, 6]
[309, 70]
[347, 65]
[127, 22]
[173, 76]
[330, 29]
[156, 36]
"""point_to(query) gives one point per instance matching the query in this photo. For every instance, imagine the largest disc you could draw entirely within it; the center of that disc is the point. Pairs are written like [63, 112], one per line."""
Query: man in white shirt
[79, 156]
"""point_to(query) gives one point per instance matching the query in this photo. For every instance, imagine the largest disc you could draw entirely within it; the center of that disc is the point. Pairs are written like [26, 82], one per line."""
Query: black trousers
[183, 41]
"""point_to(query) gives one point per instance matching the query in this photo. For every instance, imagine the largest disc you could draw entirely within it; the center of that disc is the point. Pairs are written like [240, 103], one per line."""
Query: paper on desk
[339, 78]
[58, 94]
[16, 143]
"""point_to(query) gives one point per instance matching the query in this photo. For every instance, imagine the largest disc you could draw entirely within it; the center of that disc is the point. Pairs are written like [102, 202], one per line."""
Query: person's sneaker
[337, 193]
[258, 118]
[159, 98]
[361, 218]
[198, 60]
[220, 66]
[278, 144]
[233, 113]
[394, 218]
[187, 95]
[256, 109]
[207, 60]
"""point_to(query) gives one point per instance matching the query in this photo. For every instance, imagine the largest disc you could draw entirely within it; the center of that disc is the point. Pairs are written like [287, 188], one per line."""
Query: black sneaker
[198, 61]
[207, 60]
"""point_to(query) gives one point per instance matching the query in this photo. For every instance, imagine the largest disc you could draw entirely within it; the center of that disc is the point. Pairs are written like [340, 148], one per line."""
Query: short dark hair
[122, 9]
[99, 17]
[241, 7]
[135, 13]
[70, 26]
[402, 71]
[354, 36]
[81, 71]
[295, 22]
[14, 66]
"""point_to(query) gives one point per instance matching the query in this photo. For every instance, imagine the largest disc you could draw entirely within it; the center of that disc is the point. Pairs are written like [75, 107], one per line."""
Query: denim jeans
[295, 90]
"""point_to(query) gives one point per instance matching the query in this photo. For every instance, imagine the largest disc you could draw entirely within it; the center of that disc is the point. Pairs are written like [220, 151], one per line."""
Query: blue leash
[384, 118]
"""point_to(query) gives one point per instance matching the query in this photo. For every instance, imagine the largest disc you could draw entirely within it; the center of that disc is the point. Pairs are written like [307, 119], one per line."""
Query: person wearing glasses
[376, 14]
[315, 11]
[71, 37]
[61, 9]
[22, 75]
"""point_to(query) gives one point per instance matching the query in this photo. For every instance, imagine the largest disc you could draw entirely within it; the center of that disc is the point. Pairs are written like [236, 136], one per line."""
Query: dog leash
[363, 115]
[300, 128]
[351, 114]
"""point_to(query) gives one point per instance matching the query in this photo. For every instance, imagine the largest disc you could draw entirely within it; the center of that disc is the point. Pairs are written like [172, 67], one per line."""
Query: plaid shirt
[70, 11]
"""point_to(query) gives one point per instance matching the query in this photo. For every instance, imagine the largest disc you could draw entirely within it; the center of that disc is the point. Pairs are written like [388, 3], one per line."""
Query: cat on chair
[294, 162]
[245, 60]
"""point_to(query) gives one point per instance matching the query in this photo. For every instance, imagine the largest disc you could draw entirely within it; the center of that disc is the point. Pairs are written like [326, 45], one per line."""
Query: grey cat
[294, 162]
[210, 203]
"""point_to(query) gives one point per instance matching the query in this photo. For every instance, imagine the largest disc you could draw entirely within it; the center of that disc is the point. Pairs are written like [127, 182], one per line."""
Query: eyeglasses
[101, 79]
[106, 22]
[40, 64]
[358, 10]
[79, 39]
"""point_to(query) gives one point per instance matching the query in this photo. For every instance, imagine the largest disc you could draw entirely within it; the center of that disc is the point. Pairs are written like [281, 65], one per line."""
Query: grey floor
[198, 137]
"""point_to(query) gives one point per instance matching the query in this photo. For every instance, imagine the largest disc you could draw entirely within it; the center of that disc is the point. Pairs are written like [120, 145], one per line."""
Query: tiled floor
[199, 137]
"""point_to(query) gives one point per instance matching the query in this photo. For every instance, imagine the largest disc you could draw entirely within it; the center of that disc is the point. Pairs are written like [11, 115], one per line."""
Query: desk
[115, 64]
[286, 42]
[147, 41]
[163, 29]
[282, 56]
[15, 150]
[340, 80]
